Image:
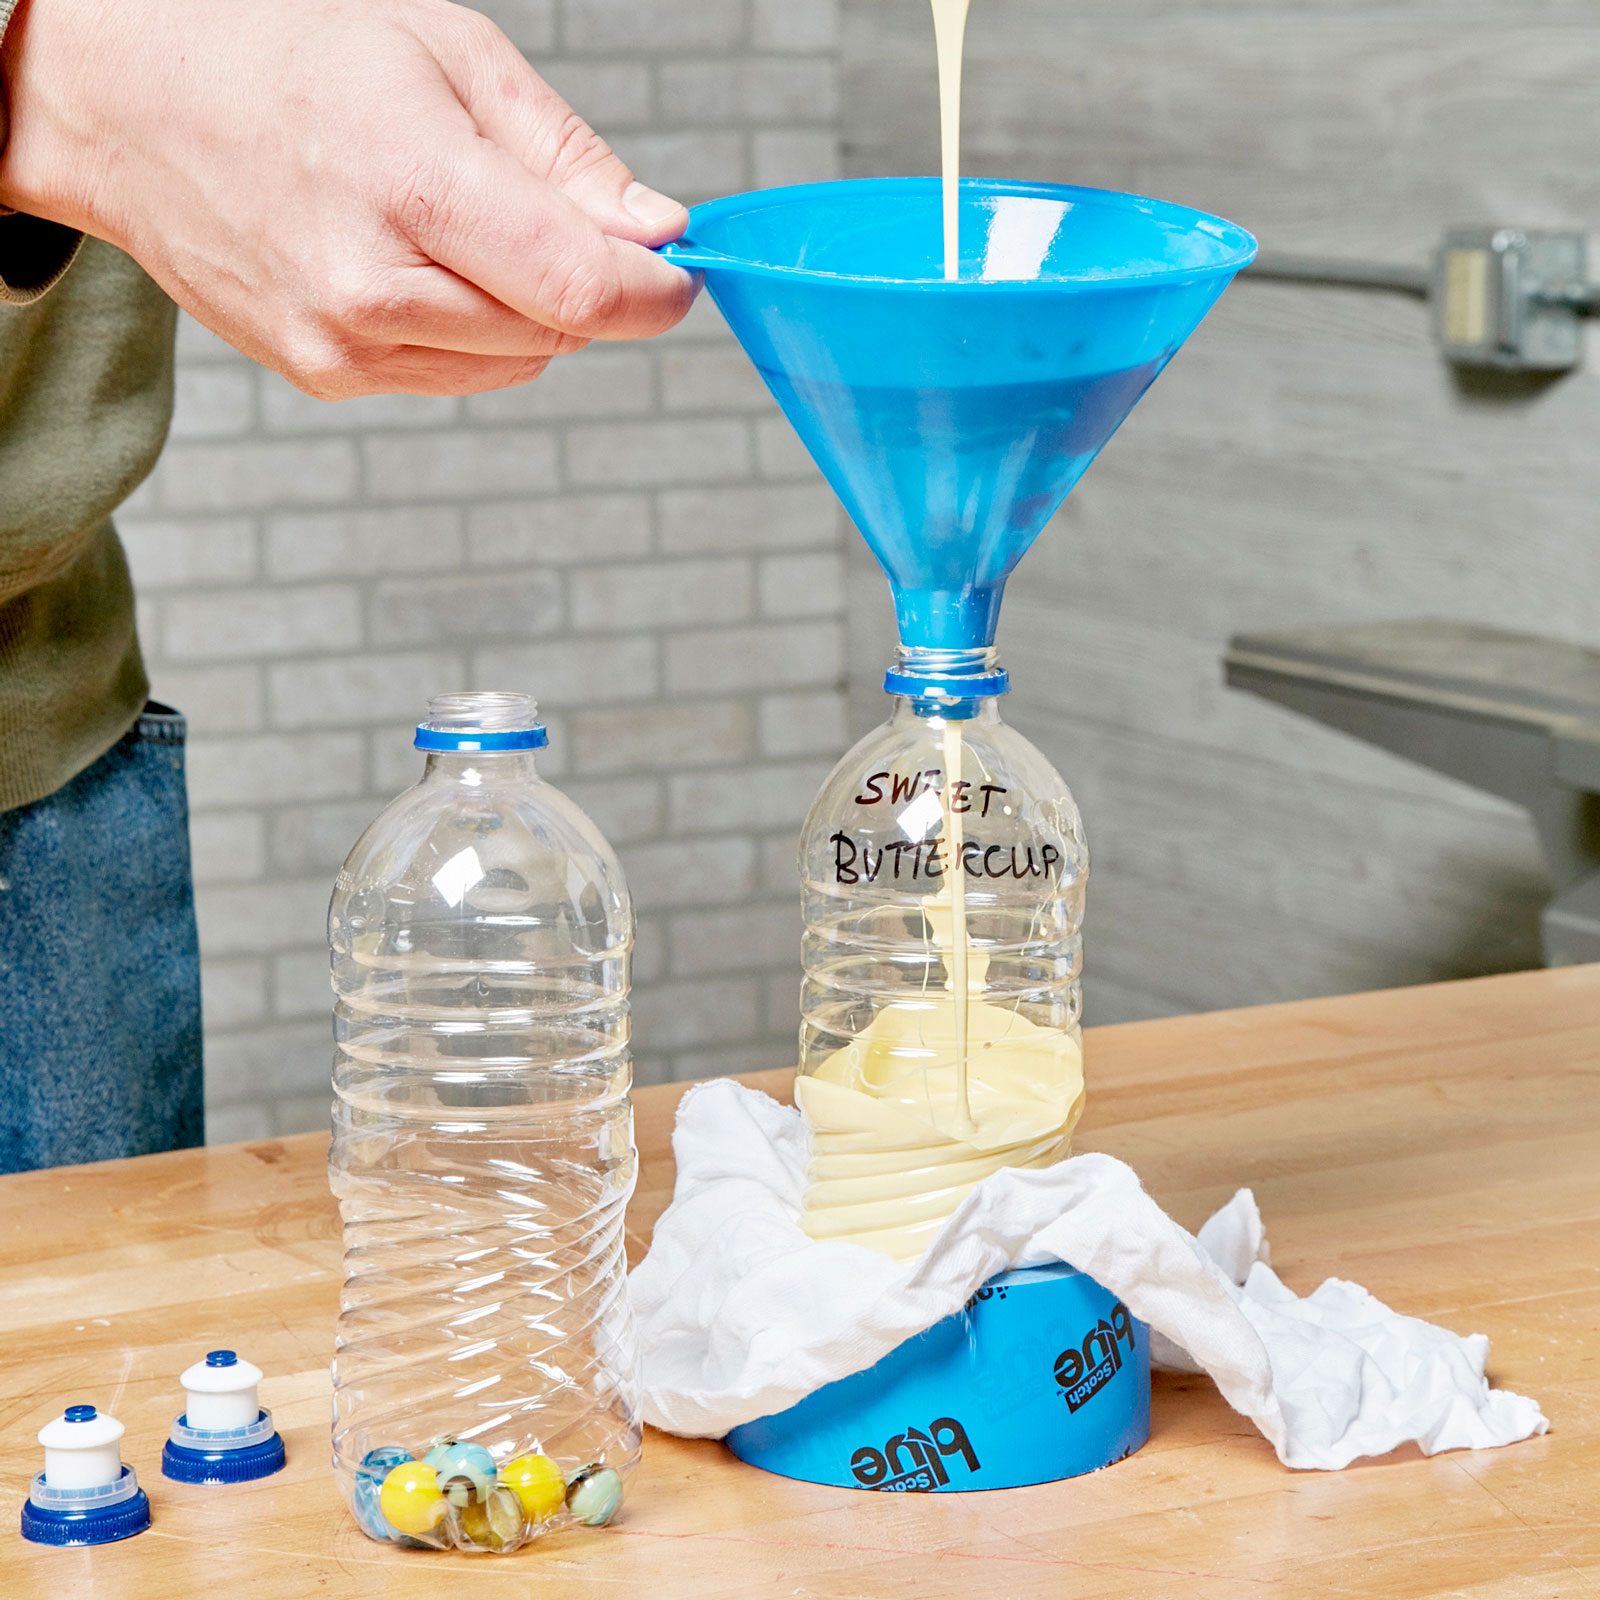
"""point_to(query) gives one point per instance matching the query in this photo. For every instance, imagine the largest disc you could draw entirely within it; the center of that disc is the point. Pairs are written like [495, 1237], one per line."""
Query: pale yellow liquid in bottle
[887, 1164]
[949, 37]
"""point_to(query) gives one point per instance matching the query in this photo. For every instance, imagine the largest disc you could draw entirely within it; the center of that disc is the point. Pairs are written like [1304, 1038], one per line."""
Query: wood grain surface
[1437, 1144]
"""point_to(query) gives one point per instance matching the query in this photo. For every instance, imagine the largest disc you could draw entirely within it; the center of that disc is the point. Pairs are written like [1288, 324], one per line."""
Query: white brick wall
[631, 539]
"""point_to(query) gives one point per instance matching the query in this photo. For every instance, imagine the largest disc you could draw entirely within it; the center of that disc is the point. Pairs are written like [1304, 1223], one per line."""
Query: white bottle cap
[221, 1393]
[81, 1449]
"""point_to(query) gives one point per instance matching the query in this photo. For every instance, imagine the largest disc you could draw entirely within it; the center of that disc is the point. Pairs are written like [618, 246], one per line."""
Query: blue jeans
[99, 961]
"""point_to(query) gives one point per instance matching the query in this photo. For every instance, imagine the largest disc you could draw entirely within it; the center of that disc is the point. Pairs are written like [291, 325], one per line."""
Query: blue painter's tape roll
[1042, 1375]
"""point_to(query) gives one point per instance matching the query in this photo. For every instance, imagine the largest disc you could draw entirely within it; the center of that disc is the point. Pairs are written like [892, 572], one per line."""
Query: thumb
[591, 174]
[513, 106]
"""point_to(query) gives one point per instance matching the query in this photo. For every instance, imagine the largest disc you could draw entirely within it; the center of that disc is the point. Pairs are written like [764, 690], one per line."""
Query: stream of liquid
[949, 36]
[956, 877]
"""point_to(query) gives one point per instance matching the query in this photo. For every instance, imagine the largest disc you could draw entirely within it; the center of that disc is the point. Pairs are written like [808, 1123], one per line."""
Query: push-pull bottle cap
[222, 1435]
[84, 1495]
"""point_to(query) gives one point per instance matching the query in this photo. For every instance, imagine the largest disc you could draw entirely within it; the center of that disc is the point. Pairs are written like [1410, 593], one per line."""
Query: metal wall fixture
[1506, 298]
[1513, 714]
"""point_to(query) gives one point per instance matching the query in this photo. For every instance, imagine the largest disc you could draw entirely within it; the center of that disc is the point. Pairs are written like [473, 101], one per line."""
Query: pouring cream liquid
[941, 1089]
[949, 36]
[956, 939]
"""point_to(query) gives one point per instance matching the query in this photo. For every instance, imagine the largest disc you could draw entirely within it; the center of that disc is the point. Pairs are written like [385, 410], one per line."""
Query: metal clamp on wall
[1506, 298]
[1515, 300]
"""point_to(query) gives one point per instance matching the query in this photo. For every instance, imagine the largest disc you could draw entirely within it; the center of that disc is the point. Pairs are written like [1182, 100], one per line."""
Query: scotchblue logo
[1084, 1369]
[916, 1461]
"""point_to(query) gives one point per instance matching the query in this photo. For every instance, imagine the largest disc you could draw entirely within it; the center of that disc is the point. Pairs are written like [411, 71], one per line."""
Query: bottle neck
[982, 712]
[947, 683]
[472, 736]
[475, 768]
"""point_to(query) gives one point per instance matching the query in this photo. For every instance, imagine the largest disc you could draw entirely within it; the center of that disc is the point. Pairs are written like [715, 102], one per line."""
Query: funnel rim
[1239, 244]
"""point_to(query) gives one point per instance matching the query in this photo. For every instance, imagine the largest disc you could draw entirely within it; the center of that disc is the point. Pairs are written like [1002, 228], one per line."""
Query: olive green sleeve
[33, 253]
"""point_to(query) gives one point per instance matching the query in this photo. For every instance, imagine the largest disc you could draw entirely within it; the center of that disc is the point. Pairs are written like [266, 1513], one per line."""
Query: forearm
[34, 251]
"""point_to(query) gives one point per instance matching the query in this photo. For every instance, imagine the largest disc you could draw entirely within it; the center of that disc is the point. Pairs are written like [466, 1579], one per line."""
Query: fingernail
[647, 206]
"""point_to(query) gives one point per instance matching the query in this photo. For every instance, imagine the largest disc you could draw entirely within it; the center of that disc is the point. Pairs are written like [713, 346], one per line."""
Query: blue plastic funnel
[953, 418]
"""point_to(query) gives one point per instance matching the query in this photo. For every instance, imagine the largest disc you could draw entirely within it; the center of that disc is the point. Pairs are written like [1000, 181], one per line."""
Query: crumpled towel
[742, 1314]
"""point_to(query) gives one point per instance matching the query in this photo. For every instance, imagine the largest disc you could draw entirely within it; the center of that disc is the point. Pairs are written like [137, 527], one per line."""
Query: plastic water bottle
[943, 869]
[485, 1382]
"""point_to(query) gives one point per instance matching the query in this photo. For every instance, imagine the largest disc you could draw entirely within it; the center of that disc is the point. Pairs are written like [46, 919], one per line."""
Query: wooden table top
[1440, 1145]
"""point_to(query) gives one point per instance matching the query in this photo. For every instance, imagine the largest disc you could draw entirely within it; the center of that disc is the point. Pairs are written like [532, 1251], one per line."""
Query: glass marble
[538, 1483]
[594, 1495]
[376, 1465]
[494, 1523]
[410, 1500]
[465, 1471]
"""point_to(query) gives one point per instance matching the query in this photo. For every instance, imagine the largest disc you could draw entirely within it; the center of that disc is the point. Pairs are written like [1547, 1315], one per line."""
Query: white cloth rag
[742, 1314]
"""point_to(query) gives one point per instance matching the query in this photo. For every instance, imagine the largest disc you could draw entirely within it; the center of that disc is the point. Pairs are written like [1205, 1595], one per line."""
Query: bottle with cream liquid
[943, 867]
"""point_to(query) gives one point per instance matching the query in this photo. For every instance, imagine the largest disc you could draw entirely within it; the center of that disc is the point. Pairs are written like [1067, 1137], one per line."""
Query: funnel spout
[947, 619]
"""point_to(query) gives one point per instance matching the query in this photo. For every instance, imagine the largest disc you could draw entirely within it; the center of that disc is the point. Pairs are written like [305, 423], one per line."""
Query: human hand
[366, 195]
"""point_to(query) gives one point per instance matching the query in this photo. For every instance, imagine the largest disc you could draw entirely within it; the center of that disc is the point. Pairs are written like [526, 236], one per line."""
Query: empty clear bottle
[943, 868]
[485, 1385]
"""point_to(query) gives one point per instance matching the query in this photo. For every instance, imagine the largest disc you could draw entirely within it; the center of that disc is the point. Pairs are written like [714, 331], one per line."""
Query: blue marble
[376, 1465]
[466, 1472]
